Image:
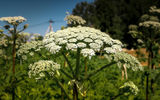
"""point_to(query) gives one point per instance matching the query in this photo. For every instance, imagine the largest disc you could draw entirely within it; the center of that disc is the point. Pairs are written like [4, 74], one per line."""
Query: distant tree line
[114, 16]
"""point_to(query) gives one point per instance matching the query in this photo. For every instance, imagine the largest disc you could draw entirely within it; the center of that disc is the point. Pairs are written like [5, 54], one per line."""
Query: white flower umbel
[152, 24]
[38, 69]
[125, 58]
[154, 9]
[85, 38]
[74, 20]
[29, 47]
[13, 20]
[130, 87]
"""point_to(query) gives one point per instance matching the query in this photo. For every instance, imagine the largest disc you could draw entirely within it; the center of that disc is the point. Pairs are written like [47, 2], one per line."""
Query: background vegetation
[110, 16]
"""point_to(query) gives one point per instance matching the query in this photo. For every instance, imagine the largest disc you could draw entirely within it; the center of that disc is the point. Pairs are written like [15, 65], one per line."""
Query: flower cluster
[154, 9]
[125, 58]
[28, 48]
[13, 20]
[151, 24]
[25, 34]
[35, 36]
[74, 20]
[38, 69]
[3, 41]
[89, 40]
[130, 87]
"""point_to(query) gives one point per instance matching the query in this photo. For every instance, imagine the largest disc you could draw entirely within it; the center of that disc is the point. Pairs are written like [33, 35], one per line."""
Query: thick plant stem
[68, 62]
[65, 63]
[13, 70]
[125, 70]
[62, 93]
[113, 98]
[62, 88]
[14, 60]
[85, 67]
[122, 74]
[14, 50]
[13, 56]
[77, 63]
[152, 68]
[147, 90]
[75, 92]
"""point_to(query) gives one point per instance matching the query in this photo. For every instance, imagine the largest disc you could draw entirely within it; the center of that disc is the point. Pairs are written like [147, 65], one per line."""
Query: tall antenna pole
[50, 28]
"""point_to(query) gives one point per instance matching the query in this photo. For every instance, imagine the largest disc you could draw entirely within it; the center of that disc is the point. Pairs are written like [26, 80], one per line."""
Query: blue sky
[39, 12]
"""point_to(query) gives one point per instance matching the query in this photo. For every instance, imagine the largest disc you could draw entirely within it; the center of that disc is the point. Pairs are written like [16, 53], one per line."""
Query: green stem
[85, 66]
[117, 96]
[98, 70]
[77, 63]
[14, 50]
[62, 88]
[69, 76]
[68, 62]
[75, 92]
[14, 35]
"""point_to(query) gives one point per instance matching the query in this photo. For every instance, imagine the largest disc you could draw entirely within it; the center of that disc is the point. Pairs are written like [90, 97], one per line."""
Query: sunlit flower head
[84, 38]
[13, 20]
[38, 69]
[74, 20]
[150, 24]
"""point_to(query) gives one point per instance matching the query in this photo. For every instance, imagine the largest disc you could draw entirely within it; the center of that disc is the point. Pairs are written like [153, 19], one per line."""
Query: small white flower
[88, 40]
[80, 37]
[88, 52]
[24, 57]
[109, 50]
[31, 53]
[99, 42]
[117, 47]
[71, 46]
[54, 49]
[95, 46]
[81, 45]
[72, 40]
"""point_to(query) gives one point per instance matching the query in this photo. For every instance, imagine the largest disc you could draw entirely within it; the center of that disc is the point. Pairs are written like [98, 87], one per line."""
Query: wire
[35, 25]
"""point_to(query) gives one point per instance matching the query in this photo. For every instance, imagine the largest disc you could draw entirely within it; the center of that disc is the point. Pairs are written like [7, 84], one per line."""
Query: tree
[114, 16]
[148, 31]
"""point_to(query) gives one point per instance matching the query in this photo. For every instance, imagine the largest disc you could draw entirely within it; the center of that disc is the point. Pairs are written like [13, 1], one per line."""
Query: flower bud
[6, 26]
[26, 26]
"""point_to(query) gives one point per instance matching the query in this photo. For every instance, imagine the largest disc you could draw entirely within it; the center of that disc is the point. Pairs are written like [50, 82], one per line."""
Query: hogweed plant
[13, 23]
[84, 42]
[12, 28]
[148, 31]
